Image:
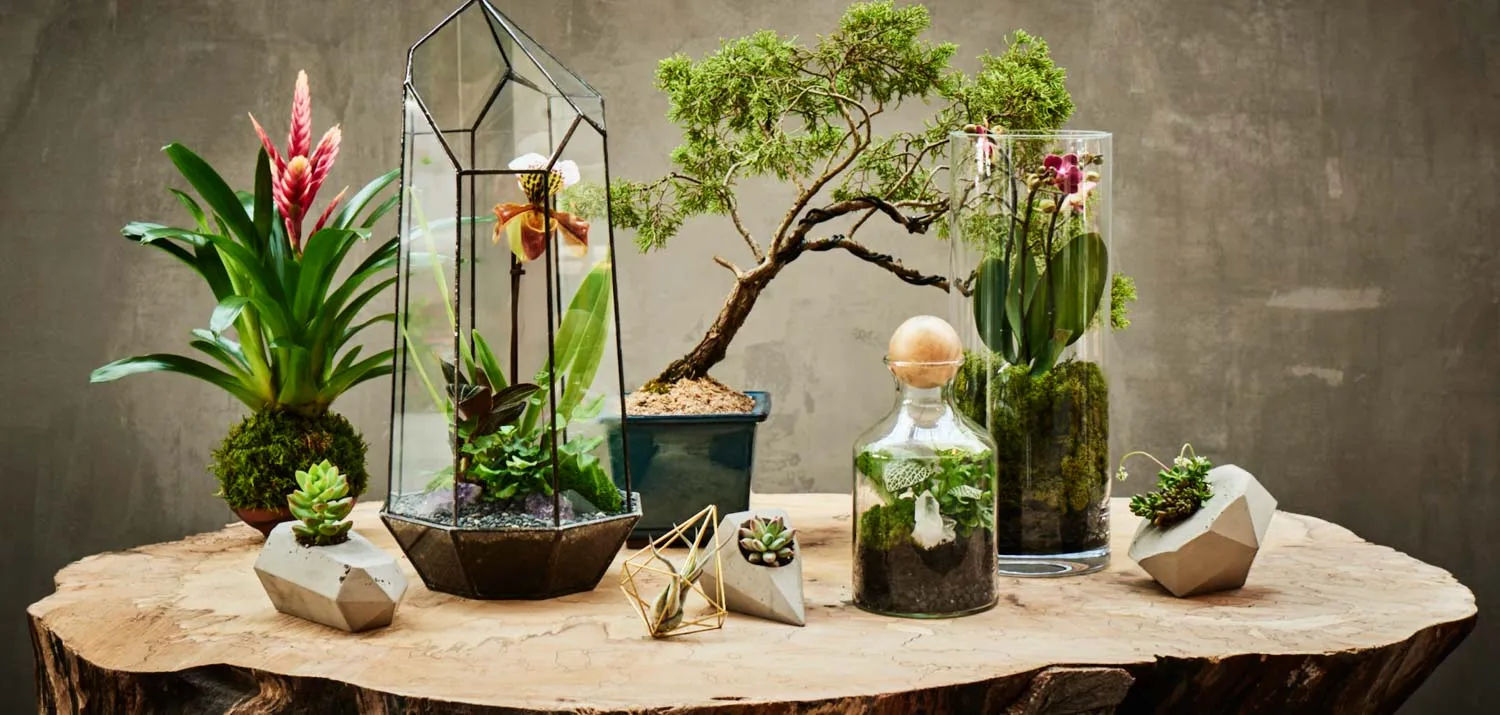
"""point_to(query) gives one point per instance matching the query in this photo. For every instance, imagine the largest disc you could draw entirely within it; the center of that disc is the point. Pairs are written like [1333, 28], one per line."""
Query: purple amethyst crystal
[540, 506]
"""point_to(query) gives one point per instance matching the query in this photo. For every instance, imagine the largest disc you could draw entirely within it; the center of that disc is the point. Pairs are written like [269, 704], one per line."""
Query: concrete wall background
[1306, 195]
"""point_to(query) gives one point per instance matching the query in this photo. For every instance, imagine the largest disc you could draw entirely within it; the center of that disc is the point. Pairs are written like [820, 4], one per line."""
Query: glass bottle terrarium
[507, 360]
[1030, 242]
[924, 503]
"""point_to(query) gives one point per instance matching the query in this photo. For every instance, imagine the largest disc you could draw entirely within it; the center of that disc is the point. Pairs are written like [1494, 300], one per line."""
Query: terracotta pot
[263, 520]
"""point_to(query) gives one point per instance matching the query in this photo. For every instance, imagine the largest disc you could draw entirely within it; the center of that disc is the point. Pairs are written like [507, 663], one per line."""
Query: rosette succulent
[322, 502]
[767, 542]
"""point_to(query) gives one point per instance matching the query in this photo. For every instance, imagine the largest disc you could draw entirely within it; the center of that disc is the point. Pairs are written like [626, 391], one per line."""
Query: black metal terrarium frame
[531, 560]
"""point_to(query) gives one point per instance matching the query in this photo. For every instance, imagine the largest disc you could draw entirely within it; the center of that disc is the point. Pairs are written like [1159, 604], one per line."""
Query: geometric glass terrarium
[507, 361]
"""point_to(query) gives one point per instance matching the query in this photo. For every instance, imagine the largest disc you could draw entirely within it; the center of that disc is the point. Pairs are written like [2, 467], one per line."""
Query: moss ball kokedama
[257, 464]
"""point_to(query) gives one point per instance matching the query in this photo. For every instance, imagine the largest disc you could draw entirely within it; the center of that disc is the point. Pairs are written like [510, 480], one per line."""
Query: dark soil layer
[955, 577]
[1051, 435]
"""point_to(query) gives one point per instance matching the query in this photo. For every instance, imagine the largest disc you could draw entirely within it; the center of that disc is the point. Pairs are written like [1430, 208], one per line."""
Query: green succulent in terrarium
[1180, 490]
[767, 542]
[323, 503]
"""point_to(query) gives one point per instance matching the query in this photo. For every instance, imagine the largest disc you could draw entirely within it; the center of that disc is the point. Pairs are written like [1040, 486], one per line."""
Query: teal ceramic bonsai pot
[682, 463]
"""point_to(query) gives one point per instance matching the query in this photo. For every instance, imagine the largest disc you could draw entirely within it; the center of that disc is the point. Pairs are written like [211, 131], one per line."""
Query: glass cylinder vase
[924, 501]
[1031, 267]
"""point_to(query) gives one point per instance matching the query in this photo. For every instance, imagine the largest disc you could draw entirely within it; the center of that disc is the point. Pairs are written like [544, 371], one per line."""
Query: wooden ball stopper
[925, 352]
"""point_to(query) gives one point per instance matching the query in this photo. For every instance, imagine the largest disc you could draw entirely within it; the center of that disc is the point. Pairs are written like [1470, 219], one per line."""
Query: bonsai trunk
[712, 347]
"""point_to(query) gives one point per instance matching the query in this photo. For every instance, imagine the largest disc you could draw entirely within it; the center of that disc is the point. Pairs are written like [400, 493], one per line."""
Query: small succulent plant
[767, 542]
[1180, 491]
[322, 502]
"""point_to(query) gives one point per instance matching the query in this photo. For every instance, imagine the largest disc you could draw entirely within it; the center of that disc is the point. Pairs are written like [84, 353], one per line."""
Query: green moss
[886, 526]
[1052, 444]
[257, 463]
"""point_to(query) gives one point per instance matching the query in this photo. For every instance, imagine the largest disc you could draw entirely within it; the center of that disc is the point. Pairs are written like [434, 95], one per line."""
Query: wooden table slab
[1327, 623]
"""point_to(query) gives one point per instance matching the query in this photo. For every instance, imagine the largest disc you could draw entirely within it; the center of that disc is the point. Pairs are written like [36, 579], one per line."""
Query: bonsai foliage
[1180, 490]
[770, 107]
[279, 336]
[322, 502]
[257, 461]
[767, 542]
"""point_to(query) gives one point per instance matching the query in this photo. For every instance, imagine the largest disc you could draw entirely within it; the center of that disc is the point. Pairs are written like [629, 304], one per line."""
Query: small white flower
[564, 169]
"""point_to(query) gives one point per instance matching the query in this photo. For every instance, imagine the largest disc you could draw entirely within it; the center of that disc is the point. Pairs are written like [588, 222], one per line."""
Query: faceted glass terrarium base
[517, 563]
[1035, 566]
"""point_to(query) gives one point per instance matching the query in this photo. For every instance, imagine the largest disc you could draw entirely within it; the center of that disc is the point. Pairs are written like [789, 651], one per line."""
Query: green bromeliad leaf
[290, 317]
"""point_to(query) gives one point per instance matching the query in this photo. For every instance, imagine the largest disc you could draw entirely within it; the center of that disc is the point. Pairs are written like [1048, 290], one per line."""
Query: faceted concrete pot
[353, 586]
[680, 462]
[512, 563]
[772, 592]
[1212, 550]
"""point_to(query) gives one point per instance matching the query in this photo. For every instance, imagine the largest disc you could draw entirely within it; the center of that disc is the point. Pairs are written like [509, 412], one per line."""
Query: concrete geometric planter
[772, 592]
[353, 586]
[1211, 550]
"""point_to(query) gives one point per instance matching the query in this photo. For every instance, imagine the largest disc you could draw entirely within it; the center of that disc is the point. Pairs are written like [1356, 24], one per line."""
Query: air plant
[1180, 491]
[322, 502]
[667, 608]
[767, 542]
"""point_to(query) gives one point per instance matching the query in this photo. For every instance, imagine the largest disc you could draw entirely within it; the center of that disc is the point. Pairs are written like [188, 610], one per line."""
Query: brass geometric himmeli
[666, 614]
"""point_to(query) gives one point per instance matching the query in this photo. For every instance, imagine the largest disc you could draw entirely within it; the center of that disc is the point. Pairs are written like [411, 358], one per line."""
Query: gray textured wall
[1306, 194]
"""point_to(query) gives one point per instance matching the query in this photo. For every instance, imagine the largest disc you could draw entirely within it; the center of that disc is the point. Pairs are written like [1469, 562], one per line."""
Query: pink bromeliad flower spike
[296, 178]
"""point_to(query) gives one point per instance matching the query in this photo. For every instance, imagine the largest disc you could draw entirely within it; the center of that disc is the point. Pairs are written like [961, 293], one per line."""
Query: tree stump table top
[1327, 623]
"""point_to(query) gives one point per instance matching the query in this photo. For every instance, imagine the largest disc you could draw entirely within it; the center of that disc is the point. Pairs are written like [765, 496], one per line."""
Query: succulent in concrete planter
[766, 580]
[321, 502]
[1203, 525]
[767, 541]
[283, 331]
[318, 569]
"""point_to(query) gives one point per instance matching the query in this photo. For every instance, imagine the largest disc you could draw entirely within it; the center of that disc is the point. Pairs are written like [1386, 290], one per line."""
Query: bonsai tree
[279, 337]
[767, 106]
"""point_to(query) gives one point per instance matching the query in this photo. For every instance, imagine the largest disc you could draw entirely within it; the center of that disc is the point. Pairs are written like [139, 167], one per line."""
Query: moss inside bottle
[924, 505]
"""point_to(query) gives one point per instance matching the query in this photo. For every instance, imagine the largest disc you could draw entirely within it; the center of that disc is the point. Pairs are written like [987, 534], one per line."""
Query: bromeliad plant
[1181, 489]
[322, 503]
[281, 336]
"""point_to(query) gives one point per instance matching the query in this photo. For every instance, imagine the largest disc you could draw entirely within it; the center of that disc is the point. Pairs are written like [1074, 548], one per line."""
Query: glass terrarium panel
[586, 280]
[536, 66]
[516, 124]
[456, 71]
[426, 321]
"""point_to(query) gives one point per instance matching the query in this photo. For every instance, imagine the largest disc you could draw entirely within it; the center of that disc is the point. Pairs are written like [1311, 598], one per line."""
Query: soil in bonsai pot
[703, 396]
[1051, 433]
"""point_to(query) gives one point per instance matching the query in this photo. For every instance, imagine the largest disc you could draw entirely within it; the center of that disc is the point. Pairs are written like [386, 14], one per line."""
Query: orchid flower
[1076, 200]
[1063, 171]
[296, 178]
[525, 225]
